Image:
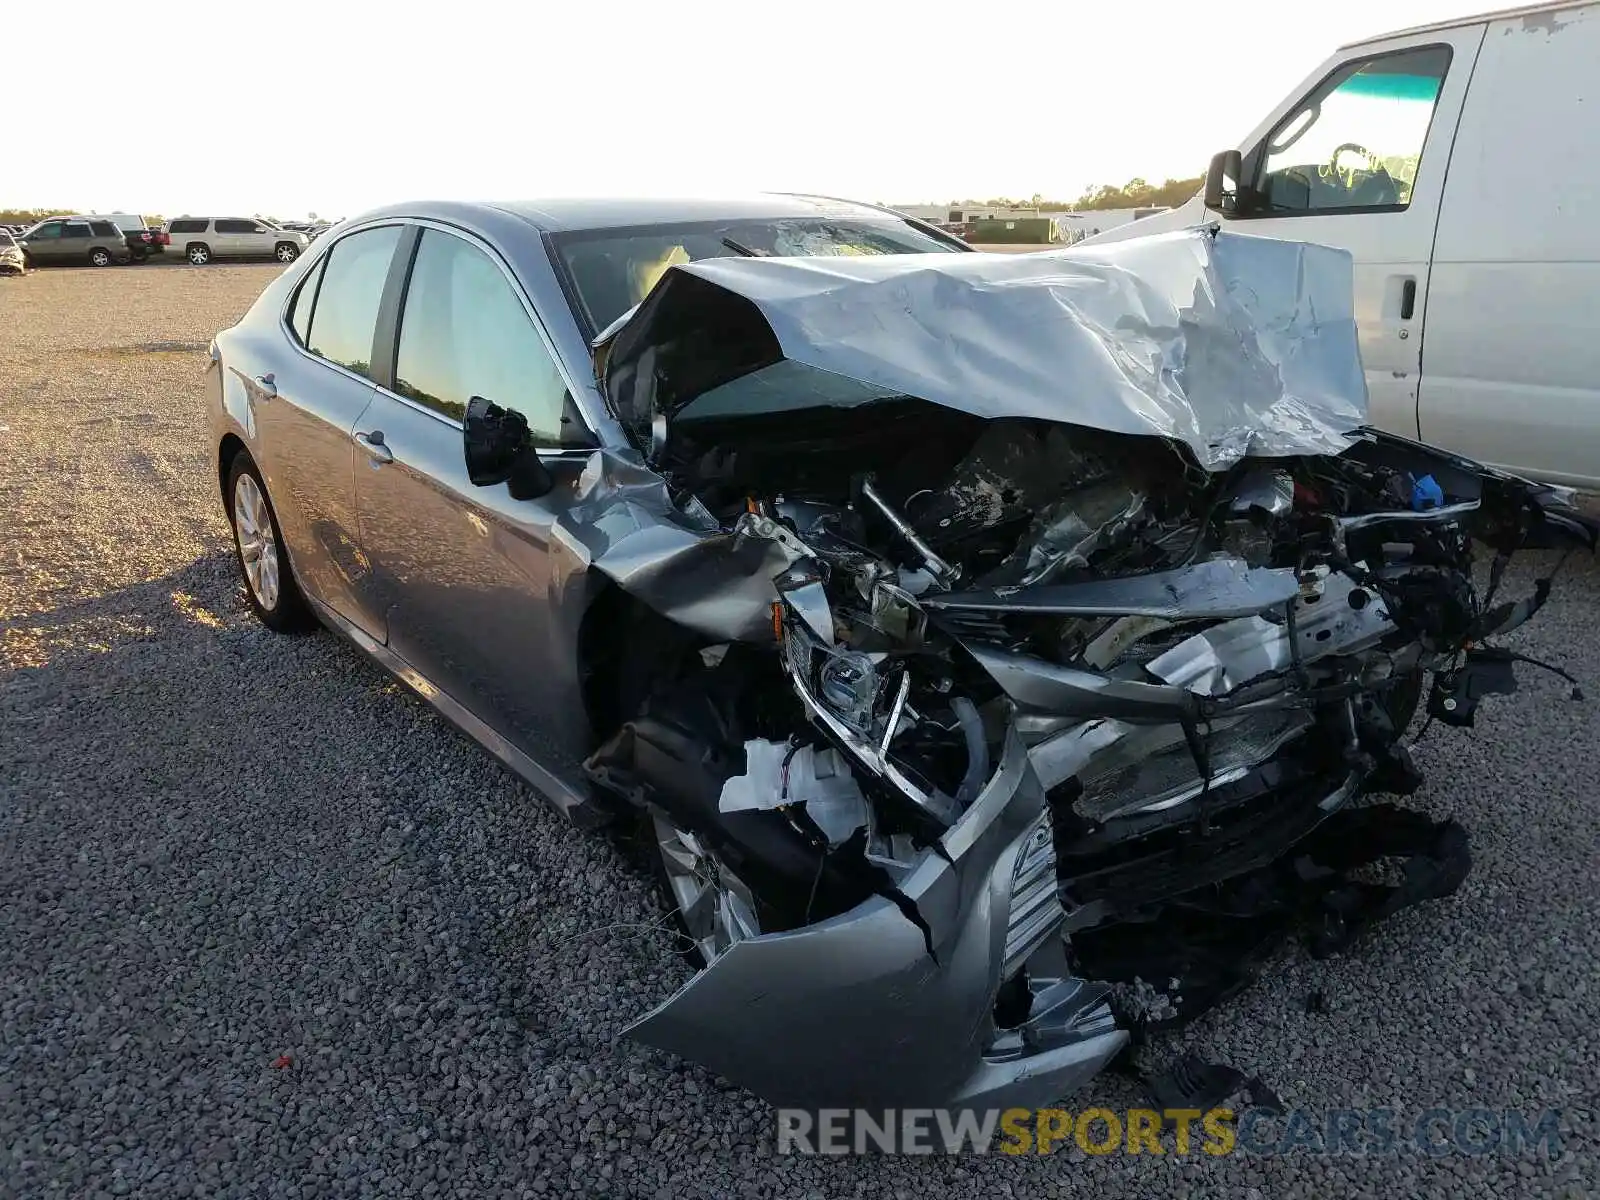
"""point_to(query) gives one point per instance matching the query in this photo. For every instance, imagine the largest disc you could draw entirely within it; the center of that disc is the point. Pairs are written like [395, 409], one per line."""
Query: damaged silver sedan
[994, 647]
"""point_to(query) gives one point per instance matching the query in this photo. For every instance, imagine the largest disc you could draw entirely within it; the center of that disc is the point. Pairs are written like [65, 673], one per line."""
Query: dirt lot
[270, 928]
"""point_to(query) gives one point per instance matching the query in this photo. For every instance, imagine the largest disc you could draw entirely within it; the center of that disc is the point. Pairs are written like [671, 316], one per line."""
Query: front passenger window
[346, 315]
[464, 332]
[1356, 142]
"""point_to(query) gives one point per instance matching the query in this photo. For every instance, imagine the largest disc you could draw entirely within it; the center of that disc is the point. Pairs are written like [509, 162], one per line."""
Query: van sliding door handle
[1408, 299]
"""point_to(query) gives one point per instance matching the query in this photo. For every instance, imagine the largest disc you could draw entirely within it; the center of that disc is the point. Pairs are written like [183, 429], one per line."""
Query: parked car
[142, 240]
[11, 260]
[75, 241]
[1474, 306]
[202, 239]
[960, 666]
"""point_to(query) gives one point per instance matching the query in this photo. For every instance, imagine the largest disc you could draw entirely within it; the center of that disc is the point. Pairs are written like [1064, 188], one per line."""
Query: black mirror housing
[1219, 197]
[499, 449]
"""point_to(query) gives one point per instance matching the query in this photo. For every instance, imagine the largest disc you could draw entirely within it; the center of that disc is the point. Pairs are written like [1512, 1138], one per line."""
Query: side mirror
[1225, 170]
[498, 449]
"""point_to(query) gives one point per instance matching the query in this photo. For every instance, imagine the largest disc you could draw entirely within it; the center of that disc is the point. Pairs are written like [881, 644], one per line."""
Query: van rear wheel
[99, 257]
[198, 253]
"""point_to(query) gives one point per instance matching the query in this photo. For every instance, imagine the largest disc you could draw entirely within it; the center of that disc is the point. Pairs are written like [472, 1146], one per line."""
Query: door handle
[267, 385]
[1408, 299]
[377, 449]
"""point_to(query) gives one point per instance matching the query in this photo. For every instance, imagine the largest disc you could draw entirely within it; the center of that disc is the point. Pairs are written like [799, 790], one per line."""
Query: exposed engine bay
[1054, 701]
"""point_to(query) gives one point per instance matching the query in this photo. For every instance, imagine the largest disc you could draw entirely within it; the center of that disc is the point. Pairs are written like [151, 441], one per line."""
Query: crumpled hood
[1233, 345]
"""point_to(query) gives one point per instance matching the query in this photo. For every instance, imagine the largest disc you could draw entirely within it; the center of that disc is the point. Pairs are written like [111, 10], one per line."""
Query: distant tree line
[1136, 193]
[30, 216]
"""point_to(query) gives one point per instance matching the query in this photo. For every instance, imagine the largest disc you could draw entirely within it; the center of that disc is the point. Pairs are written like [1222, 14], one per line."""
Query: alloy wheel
[286, 254]
[258, 548]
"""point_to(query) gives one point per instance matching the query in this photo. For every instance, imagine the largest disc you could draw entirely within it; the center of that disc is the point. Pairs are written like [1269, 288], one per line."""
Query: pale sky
[333, 107]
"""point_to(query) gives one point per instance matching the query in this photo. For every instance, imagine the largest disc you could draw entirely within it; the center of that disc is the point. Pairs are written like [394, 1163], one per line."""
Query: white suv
[200, 239]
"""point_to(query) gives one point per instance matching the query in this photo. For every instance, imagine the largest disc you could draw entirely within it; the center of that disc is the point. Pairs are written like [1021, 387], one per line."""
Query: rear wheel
[99, 257]
[140, 255]
[286, 252]
[263, 559]
[198, 253]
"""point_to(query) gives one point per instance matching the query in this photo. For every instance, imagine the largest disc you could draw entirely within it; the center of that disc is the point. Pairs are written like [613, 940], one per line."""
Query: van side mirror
[499, 449]
[1223, 188]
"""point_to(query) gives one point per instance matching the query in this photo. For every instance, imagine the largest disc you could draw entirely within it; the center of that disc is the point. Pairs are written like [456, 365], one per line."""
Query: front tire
[99, 257]
[286, 252]
[263, 559]
[199, 254]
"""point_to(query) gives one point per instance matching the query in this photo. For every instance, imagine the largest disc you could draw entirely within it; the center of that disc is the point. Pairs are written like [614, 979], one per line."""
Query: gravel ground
[268, 927]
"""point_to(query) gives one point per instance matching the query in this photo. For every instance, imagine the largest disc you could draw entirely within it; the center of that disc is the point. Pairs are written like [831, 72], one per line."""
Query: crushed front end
[1015, 733]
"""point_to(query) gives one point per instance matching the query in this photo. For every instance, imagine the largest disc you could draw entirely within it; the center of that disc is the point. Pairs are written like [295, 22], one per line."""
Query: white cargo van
[1459, 164]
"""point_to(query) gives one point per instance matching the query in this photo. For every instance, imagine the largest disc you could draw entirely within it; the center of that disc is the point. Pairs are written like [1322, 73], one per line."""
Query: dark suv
[73, 241]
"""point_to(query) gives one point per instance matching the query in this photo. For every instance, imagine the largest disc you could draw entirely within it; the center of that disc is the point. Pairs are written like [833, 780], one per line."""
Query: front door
[1359, 162]
[471, 581]
[44, 243]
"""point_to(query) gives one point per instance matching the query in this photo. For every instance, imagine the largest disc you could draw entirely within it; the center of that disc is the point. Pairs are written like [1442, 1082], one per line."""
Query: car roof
[1483, 18]
[611, 212]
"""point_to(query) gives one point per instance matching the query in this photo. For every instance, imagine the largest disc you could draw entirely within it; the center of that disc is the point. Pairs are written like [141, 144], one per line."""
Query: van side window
[1355, 143]
[464, 332]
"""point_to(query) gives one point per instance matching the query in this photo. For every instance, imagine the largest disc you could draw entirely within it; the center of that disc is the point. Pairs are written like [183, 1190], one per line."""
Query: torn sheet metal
[1211, 590]
[1226, 656]
[672, 555]
[1046, 687]
[1231, 344]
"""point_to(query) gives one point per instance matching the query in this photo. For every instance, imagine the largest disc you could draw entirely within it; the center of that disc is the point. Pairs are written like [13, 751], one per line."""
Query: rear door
[232, 237]
[1359, 161]
[306, 413]
[465, 574]
[75, 242]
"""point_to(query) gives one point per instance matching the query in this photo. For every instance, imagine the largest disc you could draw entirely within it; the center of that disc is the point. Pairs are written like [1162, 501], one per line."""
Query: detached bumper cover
[892, 1003]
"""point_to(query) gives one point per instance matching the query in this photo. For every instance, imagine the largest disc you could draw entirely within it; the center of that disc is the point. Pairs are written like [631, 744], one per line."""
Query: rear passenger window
[464, 332]
[188, 225]
[104, 229]
[75, 229]
[346, 315]
[236, 226]
[304, 299]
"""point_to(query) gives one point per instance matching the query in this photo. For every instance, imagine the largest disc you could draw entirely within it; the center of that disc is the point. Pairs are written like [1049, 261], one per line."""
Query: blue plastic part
[1426, 493]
